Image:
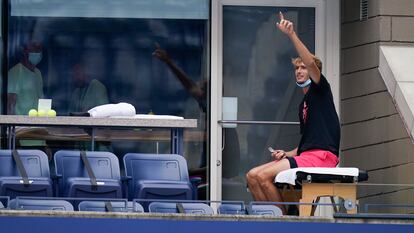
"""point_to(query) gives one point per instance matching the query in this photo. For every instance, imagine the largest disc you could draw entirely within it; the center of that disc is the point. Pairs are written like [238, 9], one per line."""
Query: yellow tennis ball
[41, 113]
[51, 113]
[33, 113]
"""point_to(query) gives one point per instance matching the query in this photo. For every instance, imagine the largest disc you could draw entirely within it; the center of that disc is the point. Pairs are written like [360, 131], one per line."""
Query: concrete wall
[373, 135]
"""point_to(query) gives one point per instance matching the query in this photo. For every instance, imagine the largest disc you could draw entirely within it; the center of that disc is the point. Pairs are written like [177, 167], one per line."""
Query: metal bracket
[309, 178]
[349, 204]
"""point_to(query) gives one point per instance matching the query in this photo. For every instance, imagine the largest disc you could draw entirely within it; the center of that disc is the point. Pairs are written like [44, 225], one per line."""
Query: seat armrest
[56, 176]
[55, 179]
[196, 180]
[126, 178]
[125, 189]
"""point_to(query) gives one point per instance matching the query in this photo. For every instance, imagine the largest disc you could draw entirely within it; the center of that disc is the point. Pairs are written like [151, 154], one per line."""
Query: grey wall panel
[373, 132]
[350, 10]
[355, 33]
[396, 7]
[402, 29]
[361, 83]
[360, 58]
[394, 175]
[382, 155]
[367, 107]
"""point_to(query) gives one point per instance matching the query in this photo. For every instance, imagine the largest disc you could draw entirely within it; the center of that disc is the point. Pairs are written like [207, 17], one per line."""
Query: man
[319, 124]
[25, 82]
[25, 88]
[88, 93]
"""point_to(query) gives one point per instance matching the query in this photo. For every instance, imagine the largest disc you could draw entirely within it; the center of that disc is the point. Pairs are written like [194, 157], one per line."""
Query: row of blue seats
[94, 174]
[154, 207]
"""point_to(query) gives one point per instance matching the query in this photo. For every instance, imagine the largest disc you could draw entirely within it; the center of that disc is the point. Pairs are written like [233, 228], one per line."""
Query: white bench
[317, 182]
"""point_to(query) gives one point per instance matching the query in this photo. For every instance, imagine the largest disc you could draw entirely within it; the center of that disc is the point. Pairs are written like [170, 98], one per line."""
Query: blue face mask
[304, 84]
[35, 58]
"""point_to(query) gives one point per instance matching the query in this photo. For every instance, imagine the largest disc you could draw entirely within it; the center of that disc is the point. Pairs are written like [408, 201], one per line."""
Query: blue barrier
[69, 224]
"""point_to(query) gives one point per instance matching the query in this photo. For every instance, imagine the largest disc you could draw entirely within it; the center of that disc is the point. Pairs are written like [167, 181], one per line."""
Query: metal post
[177, 142]
[93, 139]
[13, 134]
[9, 140]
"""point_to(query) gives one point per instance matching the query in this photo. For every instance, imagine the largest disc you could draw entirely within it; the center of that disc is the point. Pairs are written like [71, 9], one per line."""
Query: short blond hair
[318, 62]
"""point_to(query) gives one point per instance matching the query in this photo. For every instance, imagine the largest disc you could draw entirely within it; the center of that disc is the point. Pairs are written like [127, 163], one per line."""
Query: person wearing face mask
[25, 88]
[25, 82]
[319, 125]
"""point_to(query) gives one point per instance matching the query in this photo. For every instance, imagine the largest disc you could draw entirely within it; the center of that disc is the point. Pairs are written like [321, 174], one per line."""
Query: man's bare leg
[266, 177]
[254, 183]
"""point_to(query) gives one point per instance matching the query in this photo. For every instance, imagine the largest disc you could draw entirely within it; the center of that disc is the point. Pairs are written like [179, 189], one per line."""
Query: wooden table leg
[310, 191]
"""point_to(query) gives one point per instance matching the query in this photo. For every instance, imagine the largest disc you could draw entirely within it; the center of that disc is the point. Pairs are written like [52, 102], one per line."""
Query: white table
[176, 126]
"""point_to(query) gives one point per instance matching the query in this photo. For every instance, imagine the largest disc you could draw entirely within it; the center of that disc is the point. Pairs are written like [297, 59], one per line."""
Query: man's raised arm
[286, 27]
[188, 84]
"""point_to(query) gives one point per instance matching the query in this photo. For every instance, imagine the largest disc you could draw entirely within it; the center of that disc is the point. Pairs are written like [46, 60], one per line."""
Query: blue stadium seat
[40, 204]
[4, 201]
[74, 180]
[232, 208]
[171, 207]
[264, 209]
[35, 165]
[117, 206]
[157, 176]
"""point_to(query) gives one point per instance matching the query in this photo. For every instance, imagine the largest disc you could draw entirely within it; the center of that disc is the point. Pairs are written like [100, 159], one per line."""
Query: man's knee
[264, 178]
[251, 175]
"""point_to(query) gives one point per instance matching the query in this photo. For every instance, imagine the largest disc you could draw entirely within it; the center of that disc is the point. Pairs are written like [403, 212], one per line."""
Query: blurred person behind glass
[25, 88]
[25, 81]
[88, 92]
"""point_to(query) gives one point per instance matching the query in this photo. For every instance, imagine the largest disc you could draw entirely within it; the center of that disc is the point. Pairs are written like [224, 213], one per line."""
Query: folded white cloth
[107, 110]
[289, 176]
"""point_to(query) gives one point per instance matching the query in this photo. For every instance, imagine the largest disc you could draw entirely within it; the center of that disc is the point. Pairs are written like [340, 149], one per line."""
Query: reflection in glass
[95, 53]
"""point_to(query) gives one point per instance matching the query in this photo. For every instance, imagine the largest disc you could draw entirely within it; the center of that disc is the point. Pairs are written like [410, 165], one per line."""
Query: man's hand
[279, 154]
[160, 53]
[307, 57]
[285, 25]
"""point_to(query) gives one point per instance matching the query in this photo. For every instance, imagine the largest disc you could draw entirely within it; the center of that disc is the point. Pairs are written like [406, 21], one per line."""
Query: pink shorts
[315, 158]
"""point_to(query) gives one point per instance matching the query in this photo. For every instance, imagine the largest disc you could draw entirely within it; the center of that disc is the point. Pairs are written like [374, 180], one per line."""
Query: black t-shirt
[319, 122]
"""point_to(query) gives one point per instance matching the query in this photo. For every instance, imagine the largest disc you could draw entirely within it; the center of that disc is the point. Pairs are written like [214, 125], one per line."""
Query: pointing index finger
[281, 16]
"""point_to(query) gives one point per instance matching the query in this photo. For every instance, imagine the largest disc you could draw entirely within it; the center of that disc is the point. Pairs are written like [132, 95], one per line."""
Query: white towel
[108, 110]
[149, 116]
[289, 176]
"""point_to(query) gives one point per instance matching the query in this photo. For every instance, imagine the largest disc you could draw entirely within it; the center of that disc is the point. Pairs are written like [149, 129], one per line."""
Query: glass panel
[152, 54]
[234, 185]
[166, 9]
[2, 94]
[257, 70]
